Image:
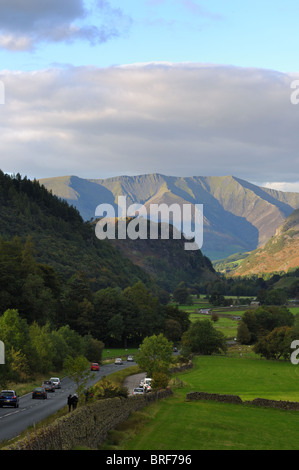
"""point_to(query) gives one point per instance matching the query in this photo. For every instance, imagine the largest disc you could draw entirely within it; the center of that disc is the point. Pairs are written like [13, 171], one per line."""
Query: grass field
[226, 323]
[112, 353]
[176, 424]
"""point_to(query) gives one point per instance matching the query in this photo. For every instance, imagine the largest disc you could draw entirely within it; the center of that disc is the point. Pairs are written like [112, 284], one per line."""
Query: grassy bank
[177, 424]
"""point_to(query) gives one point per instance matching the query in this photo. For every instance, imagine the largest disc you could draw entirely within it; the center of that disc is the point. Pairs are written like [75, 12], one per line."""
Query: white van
[147, 384]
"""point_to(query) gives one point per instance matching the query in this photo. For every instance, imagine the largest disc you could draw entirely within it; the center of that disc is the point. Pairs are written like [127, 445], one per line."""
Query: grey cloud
[173, 119]
[24, 16]
[23, 25]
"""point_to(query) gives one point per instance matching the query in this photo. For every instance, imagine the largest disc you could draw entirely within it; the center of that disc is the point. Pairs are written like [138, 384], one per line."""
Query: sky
[102, 88]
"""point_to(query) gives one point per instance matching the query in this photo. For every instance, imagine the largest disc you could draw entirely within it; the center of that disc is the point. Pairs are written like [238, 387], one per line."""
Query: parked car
[118, 360]
[56, 382]
[147, 384]
[9, 398]
[138, 391]
[95, 366]
[39, 392]
[130, 358]
[48, 386]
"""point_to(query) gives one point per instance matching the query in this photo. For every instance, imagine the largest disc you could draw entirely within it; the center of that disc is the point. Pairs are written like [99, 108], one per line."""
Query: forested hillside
[60, 238]
[54, 271]
[167, 261]
[63, 292]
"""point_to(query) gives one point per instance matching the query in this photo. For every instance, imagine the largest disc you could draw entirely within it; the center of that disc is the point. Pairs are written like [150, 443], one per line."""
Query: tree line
[270, 329]
[33, 348]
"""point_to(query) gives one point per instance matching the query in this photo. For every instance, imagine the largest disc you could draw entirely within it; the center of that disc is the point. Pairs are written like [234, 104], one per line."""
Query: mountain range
[238, 215]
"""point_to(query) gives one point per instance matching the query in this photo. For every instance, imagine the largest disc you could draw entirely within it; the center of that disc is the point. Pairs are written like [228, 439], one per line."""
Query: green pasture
[112, 353]
[248, 378]
[177, 424]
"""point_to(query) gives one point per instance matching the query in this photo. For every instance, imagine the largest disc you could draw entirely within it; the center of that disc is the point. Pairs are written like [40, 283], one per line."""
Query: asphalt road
[13, 421]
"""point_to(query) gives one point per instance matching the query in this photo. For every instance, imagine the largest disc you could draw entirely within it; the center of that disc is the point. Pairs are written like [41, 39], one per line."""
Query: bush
[160, 380]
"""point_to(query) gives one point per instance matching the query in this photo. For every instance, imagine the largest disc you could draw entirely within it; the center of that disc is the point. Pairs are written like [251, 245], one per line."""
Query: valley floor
[178, 424]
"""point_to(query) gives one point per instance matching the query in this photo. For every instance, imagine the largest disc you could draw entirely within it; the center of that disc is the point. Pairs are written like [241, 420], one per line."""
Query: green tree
[19, 364]
[155, 355]
[92, 348]
[276, 344]
[72, 339]
[78, 369]
[181, 294]
[40, 338]
[108, 303]
[203, 338]
[264, 319]
[172, 312]
[14, 332]
[243, 333]
[172, 330]
[143, 314]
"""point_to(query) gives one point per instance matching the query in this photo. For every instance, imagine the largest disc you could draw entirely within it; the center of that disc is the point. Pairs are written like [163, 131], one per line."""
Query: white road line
[13, 413]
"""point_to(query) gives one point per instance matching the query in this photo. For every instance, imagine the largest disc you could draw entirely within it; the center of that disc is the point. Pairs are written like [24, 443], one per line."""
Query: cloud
[24, 25]
[282, 186]
[183, 119]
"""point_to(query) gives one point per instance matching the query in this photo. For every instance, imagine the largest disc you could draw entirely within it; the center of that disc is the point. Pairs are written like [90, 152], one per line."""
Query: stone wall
[88, 425]
[284, 405]
[214, 397]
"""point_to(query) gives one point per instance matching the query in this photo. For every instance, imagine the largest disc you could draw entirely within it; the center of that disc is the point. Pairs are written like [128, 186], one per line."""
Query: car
[138, 391]
[39, 392]
[9, 398]
[56, 382]
[48, 386]
[118, 360]
[94, 366]
[147, 384]
[130, 358]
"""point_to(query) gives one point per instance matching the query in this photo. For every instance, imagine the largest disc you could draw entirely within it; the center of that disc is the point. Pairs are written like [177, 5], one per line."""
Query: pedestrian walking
[75, 401]
[69, 402]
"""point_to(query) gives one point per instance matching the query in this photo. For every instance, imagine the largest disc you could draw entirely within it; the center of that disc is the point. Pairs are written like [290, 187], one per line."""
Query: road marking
[13, 413]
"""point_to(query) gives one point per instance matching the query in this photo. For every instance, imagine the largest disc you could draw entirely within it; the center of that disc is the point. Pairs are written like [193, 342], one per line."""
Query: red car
[95, 366]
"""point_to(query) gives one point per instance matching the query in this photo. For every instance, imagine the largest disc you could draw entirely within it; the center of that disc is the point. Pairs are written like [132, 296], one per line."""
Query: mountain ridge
[238, 216]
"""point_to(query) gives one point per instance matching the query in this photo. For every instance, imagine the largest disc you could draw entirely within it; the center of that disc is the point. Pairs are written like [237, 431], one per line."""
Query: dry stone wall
[86, 426]
[284, 405]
